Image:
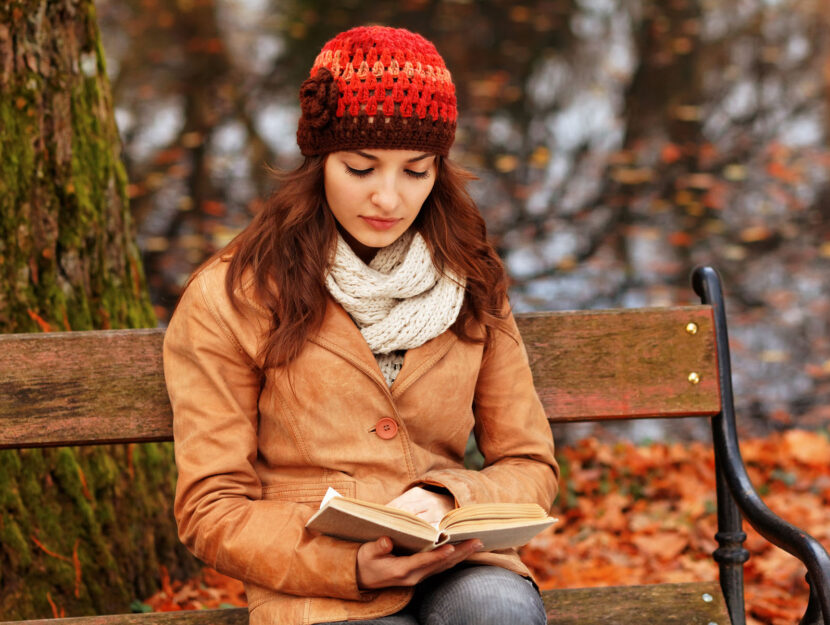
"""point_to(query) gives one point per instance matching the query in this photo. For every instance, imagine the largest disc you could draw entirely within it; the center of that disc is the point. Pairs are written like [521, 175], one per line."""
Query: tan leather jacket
[256, 450]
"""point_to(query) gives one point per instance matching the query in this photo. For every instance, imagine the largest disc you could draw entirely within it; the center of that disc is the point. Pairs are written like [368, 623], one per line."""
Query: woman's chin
[378, 239]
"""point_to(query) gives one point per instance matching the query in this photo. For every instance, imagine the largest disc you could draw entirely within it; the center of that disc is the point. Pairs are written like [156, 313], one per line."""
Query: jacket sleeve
[214, 388]
[512, 432]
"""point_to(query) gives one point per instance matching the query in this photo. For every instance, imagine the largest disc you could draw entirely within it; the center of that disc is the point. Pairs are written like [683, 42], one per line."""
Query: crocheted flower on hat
[318, 98]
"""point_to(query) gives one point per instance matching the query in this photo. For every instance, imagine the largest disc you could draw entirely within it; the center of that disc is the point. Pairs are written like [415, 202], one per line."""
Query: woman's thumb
[383, 545]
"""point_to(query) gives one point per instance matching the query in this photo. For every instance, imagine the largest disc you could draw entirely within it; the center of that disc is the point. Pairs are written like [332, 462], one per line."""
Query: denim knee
[484, 595]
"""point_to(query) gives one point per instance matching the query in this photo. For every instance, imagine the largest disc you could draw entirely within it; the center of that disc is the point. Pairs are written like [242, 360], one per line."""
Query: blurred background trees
[618, 143]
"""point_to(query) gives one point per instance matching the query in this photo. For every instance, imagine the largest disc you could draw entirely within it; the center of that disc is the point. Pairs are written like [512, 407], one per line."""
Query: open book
[496, 525]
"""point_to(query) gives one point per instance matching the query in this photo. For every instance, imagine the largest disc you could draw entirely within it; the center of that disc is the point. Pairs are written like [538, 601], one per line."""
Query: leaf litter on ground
[644, 514]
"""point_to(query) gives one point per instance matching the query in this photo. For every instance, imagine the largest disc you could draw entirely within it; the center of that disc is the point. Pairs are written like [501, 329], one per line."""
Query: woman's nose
[386, 197]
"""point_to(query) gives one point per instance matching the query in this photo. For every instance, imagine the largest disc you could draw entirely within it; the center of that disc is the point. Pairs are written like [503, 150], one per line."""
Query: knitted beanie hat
[377, 87]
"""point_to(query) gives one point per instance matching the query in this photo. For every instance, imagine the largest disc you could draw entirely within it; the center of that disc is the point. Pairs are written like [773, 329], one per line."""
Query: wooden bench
[87, 388]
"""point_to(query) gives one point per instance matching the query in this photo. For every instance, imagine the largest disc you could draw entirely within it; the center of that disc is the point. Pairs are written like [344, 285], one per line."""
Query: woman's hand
[431, 507]
[378, 568]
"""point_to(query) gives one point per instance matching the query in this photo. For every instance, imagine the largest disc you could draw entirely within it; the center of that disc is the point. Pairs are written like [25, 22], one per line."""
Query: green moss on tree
[87, 528]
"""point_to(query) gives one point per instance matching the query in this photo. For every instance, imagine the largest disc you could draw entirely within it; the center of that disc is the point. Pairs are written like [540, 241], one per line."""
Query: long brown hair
[289, 244]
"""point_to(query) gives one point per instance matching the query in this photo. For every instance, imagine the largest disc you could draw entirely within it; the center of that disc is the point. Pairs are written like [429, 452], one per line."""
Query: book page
[330, 494]
[363, 522]
[492, 512]
[502, 535]
[394, 517]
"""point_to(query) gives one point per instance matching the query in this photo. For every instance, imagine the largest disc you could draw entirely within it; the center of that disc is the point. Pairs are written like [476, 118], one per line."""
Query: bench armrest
[732, 471]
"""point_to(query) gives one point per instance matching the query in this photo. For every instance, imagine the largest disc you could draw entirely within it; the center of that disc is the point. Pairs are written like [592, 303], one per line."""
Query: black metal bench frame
[737, 496]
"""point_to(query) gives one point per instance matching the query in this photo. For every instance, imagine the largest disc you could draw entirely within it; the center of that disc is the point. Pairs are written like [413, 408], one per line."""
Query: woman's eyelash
[418, 174]
[362, 173]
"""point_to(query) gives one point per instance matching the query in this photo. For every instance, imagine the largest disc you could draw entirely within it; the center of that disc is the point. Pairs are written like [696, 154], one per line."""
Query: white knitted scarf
[399, 300]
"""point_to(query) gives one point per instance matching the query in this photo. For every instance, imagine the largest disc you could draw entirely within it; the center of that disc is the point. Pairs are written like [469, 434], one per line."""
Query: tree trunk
[81, 530]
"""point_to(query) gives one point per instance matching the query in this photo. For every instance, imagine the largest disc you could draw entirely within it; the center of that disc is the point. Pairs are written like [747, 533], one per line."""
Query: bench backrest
[70, 388]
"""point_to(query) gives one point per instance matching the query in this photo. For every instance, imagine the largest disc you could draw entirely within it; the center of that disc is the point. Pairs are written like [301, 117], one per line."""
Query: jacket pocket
[307, 492]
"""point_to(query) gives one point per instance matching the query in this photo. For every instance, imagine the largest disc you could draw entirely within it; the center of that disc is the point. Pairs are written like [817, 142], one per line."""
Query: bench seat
[698, 603]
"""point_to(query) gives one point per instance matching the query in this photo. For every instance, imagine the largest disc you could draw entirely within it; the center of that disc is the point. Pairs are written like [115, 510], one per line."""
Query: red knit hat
[377, 87]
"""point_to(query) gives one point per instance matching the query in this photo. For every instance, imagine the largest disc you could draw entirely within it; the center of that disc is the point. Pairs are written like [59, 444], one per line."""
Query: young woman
[352, 337]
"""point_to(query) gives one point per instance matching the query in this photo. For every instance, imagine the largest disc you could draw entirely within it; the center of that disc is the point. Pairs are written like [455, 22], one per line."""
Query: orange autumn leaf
[670, 153]
[48, 551]
[210, 589]
[55, 612]
[753, 234]
[166, 588]
[680, 239]
[213, 208]
[40, 321]
[76, 563]
[663, 545]
[716, 197]
[168, 156]
[778, 170]
[806, 447]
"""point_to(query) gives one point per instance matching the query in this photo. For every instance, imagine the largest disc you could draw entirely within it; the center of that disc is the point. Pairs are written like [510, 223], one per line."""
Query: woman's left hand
[430, 506]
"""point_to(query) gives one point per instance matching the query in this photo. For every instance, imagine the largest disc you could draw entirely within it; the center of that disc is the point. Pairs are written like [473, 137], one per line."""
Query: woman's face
[375, 195]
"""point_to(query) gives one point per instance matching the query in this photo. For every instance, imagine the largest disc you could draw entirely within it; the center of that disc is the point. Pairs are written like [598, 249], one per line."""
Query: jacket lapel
[340, 335]
[419, 360]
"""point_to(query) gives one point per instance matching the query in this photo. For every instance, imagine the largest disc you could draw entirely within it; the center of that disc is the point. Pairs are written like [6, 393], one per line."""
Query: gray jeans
[467, 595]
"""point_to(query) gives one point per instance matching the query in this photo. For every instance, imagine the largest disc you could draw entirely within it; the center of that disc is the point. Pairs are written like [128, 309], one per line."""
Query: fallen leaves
[663, 546]
[806, 447]
[642, 514]
[647, 514]
[210, 589]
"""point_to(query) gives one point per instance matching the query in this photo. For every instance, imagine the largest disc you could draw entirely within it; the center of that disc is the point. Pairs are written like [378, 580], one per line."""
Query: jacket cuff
[340, 566]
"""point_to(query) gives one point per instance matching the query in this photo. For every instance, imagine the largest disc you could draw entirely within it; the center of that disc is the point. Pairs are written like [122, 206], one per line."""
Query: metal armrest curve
[706, 283]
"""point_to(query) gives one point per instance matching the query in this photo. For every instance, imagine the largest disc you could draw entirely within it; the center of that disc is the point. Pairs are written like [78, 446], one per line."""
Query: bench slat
[623, 364]
[669, 604]
[64, 388]
[107, 386]
[234, 616]
[698, 603]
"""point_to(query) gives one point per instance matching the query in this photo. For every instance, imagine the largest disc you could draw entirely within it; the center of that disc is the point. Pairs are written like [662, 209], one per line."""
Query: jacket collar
[339, 334]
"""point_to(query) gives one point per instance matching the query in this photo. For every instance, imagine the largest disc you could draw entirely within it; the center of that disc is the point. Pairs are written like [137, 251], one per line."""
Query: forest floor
[643, 514]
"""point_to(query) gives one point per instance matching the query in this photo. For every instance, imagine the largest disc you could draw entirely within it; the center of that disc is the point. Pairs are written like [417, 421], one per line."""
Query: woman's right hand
[378, 568]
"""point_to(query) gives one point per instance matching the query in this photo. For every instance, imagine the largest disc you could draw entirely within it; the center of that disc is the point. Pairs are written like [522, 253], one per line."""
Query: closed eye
[360, 173]
[418, 174]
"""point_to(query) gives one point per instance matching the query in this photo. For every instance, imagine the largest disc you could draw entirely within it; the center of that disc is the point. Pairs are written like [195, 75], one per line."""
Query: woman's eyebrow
[371, 157]
[419, 158]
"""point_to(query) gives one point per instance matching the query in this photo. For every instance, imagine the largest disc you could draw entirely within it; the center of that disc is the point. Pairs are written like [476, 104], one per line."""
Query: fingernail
[450, 549]
[478, 545]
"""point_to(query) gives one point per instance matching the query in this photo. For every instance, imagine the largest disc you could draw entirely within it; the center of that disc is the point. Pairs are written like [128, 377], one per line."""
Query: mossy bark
[81, 530]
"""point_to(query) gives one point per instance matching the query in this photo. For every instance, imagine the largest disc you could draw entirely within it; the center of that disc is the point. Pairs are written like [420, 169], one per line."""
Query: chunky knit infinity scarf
[399, 300]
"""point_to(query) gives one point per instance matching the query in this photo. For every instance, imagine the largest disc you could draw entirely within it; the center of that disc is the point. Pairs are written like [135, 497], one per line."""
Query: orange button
[386, 428]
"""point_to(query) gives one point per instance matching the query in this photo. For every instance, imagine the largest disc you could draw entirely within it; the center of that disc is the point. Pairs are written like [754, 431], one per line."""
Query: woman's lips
[379, 223]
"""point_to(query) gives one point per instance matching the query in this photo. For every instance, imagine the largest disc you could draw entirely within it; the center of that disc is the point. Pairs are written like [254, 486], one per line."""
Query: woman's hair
[288, 246]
